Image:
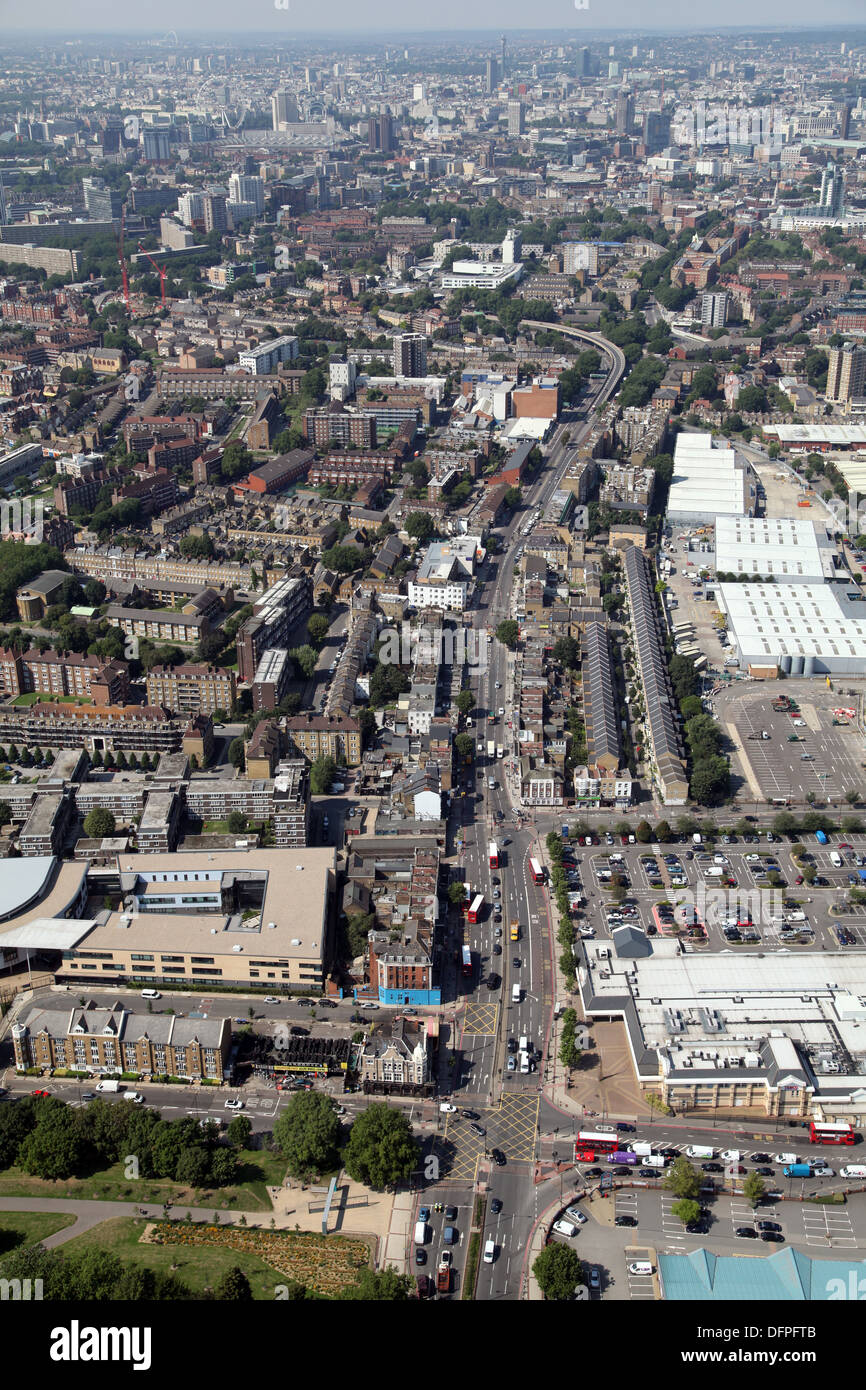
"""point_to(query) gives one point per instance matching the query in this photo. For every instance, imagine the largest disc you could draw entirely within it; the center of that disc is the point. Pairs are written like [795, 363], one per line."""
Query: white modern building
[803, 629]
[446, 573]
[788, 549]
[709, 480]
[480, 275]
[264, 359]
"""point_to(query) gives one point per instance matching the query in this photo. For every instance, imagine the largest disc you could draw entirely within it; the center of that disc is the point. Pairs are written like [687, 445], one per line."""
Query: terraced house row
[663, 731]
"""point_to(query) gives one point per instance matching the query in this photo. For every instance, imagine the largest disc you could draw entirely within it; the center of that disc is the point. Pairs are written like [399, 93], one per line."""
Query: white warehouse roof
[707, 480]
[787, 548]
[770, 621]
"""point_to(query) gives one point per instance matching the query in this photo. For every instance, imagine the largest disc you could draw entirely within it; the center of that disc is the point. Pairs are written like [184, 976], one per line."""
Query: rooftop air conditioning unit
[272, 926]
[296, 941]
[237, 948]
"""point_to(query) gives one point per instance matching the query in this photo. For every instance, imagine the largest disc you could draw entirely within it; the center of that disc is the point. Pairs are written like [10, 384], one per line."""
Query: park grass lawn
[258, 1169]
[198, 1266]
[29, 1227]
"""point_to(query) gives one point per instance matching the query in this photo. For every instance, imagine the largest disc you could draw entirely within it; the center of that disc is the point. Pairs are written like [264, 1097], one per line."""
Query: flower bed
[326, 1264]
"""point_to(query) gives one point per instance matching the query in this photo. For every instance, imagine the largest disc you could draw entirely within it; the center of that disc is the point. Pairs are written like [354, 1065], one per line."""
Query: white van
[700, 1151]
[489, 1251]
[853, 1170]
[640, 1267]
[835, 859]
[420, 1232]
[515, 994]
[523, 1043]
[565, 1228]
[150, 994]
[525, 1067]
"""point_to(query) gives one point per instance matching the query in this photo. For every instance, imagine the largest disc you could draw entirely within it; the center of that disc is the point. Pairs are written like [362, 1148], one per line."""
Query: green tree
[683, 1179]
[379, 1286]
[456, 895]
[464, 746]
[507, 633]
[566, 650]
[419, 525]
[307, 1133]
[465, 701]
[236, 822]
[686, 1210]
[663, 833]
[643, 832]
[382, 1150]
[5, 813]
[233, 1287]
[306, 658]
[322, 774]
[99, 823]
[236, 754]
[753, 1189]
[558, 1272]
[239, 1130]
[317, 629]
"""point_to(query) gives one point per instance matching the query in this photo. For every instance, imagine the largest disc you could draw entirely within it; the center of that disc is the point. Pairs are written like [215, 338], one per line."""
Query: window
[140, 957]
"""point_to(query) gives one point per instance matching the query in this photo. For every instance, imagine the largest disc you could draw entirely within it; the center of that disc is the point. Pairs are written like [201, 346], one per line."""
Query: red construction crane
[160, 270]
[122, 259]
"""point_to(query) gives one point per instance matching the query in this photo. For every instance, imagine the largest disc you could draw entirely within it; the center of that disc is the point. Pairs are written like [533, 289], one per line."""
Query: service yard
[825, 761]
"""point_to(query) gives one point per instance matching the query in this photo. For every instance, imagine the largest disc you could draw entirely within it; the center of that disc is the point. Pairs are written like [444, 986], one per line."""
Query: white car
[271, 999]
[447, 1108]
[501, 709]
[587, 933]
[233, 1105]
[498, 685]
[575, 1214]
[370, 1004]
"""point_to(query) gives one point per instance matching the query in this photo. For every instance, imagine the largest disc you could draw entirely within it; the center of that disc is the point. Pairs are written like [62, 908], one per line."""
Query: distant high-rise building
[410, 354]
[502, 55]
[846, 373]
[516, 118]
[247, 188]
[656, 131]
[714, 309]
[191, 208]
[381, 133]
[4, 210]
[491, 74]
[583, 63]
[832, 194]
[214, 212]
[156, 146]
[102, 204]
[624, 113]
[512, 246]
[284, 109]
[613, 68]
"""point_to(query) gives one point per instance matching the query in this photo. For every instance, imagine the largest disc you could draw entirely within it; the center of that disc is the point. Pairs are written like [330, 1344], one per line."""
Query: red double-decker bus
[475, 908]
[600, 1141]
[536, 871]
[821, 1133]
[467, 899]
[493, 854]
[466, 961]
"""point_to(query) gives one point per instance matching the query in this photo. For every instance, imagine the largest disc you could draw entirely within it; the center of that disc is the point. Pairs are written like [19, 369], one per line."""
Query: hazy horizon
[198, 18]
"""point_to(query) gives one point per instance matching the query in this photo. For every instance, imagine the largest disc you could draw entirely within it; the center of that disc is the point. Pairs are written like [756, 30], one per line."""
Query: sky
[349, 16]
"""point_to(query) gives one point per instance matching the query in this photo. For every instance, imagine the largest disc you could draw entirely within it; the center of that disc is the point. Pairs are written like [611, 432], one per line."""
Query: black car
[512, 1044]
[746, 1233]
[450, 1213]
[497, 949]
[493, 982]
[498, 1157]
[774, 1237]
[760, 1158]
[88, 1095]
[625, 1129]
[712, 1168]
[765, 1172]
[625, 1221]
[495, 1205]
[420, 1255]
[469, 1114]
[516, 962]
[592, 1172]
[769, 1226]
[298, 1032]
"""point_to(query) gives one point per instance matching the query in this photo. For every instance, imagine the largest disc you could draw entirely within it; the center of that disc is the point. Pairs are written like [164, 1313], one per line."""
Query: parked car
[625, 1221]
[746, 1233]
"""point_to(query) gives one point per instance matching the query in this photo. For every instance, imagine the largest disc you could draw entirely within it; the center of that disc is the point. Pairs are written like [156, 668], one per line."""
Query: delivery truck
[797, 1170]
[700, 1151]
[642, 1150]
[491, 748]
[443, 1278]
[853, 1170]
[108, 1087]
